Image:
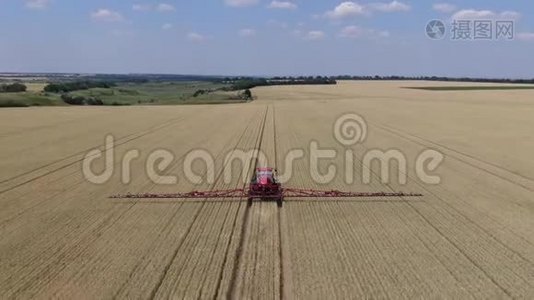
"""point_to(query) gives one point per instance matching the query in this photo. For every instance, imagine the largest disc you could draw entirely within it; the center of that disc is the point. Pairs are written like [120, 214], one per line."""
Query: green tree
[247, 94]
[13, 88]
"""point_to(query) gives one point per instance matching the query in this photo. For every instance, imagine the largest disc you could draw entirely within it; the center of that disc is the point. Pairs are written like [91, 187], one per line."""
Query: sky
[263, 37]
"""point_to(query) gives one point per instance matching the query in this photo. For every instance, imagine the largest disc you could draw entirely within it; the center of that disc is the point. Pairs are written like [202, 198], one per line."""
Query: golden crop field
[35, 87]
[470, 236]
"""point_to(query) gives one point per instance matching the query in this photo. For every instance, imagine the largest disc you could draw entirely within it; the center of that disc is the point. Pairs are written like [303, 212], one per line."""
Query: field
[162, 93]
[149, 93]
[476, 88]
[471, 236]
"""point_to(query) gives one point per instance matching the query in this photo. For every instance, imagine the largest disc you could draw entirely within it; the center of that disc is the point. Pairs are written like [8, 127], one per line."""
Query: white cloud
[355, 32]
[525, 36]
[166, 26]
[241, 3]
[195, 37]
[352, 32]
[161, 7]
[141, 7]
[384, 34]
[247, 32]
[346, 9]
[283, 5]
[469, 14]
[106, 15]
[350, 9]
[165, 7]
[509, 15]
[445, 8]
[473, 14]
[37, 4]
[394, 6]
[314, 35]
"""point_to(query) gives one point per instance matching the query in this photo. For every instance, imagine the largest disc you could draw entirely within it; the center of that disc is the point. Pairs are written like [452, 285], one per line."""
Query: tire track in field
[244, 236]
[162, 277]
[232, 292]
[413, 138]
[82, 152]
[142, 263]
[228, 246]
[203, 288]
[364, 272]
[466, 160]
[106, 223]
[379, 279]
[311, 254]
[447, 238]
[62, 123]
[314, 256]
[12, 133]
[184, 277]
[225, 275]
[53, 196]
[64, 188]
[126, 139]
[505, 236]
[460, 212]
[286, 275]
[196, 286]
[145, 133]
[176, 210]
[87, 235]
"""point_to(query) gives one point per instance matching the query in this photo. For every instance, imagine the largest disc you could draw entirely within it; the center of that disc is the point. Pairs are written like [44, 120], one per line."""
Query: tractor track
[121, 141]
[429, 191]
[162, 277]
[130, 205]
[469, 237]
[509, 173]
[244, 230]
[445, 235]
[258, 259]
[76, 171]
[166, 269]
[286, 276]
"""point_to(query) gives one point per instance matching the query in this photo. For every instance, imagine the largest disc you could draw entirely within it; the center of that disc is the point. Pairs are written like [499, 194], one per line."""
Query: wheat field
[470, 236]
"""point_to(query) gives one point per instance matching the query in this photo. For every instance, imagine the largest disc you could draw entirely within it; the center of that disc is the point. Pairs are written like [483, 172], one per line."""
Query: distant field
[474, 88]
[160, 93]
[151, 93]
[35, 87]
[29, 99]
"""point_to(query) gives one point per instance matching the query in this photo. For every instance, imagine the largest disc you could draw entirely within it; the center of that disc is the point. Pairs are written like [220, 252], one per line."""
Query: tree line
[239, 82]
[65, 87]
[244, 83]
[13, 88]
[436, 78]
[80, 100]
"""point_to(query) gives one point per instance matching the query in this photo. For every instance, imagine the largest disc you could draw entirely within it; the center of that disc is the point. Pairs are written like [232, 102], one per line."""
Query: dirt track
[472, 236]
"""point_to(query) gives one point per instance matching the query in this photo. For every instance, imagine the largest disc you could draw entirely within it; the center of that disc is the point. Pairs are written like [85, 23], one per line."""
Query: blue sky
[260, 37]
